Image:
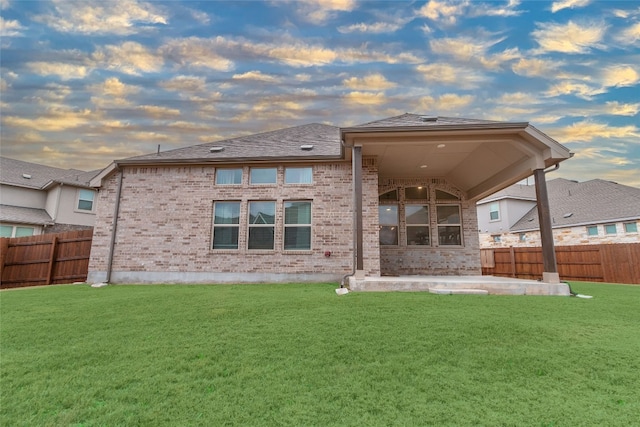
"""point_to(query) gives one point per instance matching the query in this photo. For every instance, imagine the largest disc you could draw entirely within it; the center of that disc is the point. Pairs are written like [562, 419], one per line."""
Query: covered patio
[456, 162]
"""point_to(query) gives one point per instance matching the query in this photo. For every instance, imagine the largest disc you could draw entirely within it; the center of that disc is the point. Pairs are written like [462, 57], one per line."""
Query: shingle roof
[21, 215]
[410, 119]
[33, 175]
[278, 144]
[517, 191]
[574, 203]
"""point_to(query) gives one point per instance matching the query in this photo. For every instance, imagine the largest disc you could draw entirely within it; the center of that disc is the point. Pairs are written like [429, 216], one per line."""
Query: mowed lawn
[299, 355]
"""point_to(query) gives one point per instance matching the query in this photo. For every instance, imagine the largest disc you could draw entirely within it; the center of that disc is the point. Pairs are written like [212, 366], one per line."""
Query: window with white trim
[16, 231]
[226, 225]
[417, 222]
[262, 219]
[228, 176]
[85, 200]
[494, 211]
[630, 227]
[263, 175]
[610, 229]
[297, 226]
[592, 230]
[449, 225]
[388, 219]
[298, 175]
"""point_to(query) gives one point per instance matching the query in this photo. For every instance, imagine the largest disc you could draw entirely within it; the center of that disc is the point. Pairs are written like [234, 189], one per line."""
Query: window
[388, 218]
[610, 229]
[16, 231]
[494, 211]
[262, 218]
[226, 224]
[298, 175]
[263, 175]
[417, 219]
[416, 193]
[389, 195]
[297, 226]
[449, 225]
[228, 176]
[443, 195]
[592, 230]
[496, 238]
[630, 227]
[522, 237]
[85, 200]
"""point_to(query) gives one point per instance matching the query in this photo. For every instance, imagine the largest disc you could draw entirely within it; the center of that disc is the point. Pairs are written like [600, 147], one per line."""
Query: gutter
[114, 226]
[343, 146]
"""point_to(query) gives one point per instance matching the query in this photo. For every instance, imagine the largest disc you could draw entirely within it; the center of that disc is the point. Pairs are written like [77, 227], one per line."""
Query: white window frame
[444, 225]
[390, 206]
[287, 179]
[275, 176]
[14, 230]
[591, 227]
[80, 199]
[491, 211]
[606, 229]
[218, 170]
[286, 225]
[634, 224]
[225, 225]
[426, 225]
[256, 225]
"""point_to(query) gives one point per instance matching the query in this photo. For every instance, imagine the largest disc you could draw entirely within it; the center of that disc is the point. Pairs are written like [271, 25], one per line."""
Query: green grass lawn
[296, 355]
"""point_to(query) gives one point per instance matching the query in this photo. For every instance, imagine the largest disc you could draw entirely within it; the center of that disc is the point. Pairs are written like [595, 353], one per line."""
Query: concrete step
[441, 291]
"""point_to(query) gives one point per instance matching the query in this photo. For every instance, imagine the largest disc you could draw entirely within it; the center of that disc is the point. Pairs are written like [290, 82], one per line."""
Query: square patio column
[550, 272]
[357, 206]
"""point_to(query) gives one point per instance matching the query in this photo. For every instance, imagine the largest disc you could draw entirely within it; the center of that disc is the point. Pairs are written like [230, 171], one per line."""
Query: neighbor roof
[21, 215]
[33, 175]
[322, 141]
[573, 203]
[516, 191]
[410, 119]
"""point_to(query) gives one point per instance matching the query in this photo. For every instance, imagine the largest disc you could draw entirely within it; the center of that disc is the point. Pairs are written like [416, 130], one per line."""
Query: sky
[84, 83]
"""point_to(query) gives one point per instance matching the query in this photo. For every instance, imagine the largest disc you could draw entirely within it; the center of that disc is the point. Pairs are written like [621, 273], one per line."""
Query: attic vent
[567, 215]
[26, 176]
[306, 147]
[216, 149]
[429, 118]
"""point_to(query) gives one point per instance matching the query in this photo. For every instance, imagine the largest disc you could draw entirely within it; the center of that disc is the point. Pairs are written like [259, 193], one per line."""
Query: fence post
[4, 247]
[52, 259]
[512, 254]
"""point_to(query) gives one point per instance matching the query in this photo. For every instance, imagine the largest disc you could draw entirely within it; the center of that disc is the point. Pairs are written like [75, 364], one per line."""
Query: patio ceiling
[478, 159]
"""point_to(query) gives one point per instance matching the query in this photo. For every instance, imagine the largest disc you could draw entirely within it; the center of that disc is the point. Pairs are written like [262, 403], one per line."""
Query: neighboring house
[582, 213]
[312, 203]
[37, 199]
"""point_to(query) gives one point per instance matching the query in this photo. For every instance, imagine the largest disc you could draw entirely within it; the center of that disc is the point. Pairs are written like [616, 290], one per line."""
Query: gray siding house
[393, 197]
[582, 213]
[37, 199]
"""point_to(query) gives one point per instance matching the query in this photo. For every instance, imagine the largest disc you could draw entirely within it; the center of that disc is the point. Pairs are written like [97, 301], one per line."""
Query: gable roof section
[282, 144]
[21, 215]
[515, 192]
[36, 176]
[415, 120]
[591, 202]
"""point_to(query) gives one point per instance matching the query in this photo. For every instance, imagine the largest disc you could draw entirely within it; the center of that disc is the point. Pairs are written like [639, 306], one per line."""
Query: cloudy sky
[84, 83]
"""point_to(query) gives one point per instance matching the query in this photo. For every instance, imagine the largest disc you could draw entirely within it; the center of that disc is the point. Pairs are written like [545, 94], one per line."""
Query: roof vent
[26, 176]
[429, 118]
[567, 215]
[216, 149]
[306, 147]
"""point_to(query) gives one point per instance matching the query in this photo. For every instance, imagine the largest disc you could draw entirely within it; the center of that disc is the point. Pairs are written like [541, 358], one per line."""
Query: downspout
[114, 226]
[354, 237]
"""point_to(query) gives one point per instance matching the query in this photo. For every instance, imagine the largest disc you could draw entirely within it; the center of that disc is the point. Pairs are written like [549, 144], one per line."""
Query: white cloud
[194, 52]
[63, 70]
[465, 78]
[10, 28]
[122, 17]
[373, 82]
[536, 67]
[55, 119]
[620, 75]
[467, 49]
[586, 131]
[256, 75]
[570, 37]
[445, 102]
[578, 89]
[630, 35]
[190, 84]
[568, 4]
[365, 98]
[320, 11]
[129, 58]
[618, 109]
[445, 12]
[159, 112]
[495, 9]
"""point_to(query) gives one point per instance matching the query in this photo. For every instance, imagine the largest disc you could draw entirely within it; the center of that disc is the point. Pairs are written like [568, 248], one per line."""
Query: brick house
[582, 213]
[313, 203]
[37, 199]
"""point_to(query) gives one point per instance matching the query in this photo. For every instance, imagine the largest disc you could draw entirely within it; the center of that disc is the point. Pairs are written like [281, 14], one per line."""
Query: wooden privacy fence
[612, 263]
[45, 259]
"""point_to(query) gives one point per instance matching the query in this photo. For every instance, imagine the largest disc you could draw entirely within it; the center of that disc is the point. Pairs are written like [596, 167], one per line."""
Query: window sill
[297, 252]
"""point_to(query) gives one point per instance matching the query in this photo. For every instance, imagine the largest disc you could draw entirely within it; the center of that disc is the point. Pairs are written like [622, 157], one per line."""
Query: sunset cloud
[451, 75]
[535, 67]
[570, 38]
[365, 98]
[158, 112]
[620, 76]
[10, 28]
[374, 82]
[54, 120]
[63, 71]
[446, 102]
[128, 58]
[586, 131]
[568, 4]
